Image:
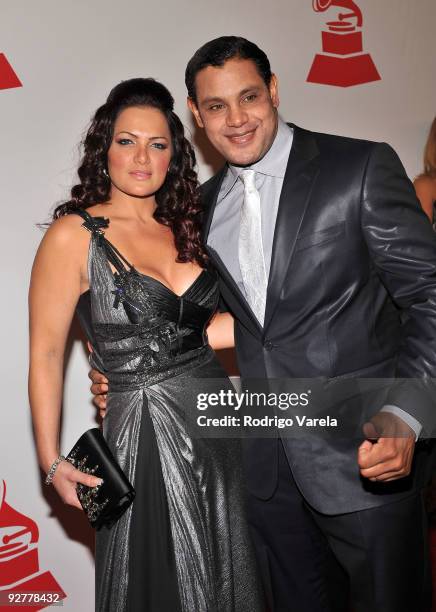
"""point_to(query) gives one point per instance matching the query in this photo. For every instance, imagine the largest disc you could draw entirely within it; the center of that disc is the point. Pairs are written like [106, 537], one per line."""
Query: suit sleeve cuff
[406, 417]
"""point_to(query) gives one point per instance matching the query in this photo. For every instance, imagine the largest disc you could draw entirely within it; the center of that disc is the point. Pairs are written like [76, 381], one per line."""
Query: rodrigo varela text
[235, 401]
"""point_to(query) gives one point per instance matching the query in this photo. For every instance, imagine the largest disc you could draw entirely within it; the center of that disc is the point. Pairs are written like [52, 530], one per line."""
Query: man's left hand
[387, 453]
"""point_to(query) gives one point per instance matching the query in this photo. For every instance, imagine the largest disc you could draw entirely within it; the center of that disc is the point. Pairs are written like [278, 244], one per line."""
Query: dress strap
[96, 225]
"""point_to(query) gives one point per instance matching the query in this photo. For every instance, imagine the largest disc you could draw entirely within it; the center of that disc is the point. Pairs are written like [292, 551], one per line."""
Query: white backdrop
[68, 55]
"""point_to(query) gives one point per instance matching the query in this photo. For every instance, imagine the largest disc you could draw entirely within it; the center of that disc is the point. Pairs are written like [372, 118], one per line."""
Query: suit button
[268, 346]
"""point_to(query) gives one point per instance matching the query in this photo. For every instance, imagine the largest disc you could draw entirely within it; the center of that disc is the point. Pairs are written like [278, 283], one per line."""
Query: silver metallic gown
[183, 545]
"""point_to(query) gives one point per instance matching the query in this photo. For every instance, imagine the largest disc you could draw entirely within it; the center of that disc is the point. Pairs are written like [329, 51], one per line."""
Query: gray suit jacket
[351, 293]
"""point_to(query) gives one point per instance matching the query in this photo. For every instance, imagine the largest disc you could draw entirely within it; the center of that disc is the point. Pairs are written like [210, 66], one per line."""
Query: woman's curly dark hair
[178, 200]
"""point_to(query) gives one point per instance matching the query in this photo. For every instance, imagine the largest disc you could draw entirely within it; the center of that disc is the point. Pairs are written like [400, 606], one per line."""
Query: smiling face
[140, 152]
[237, 110]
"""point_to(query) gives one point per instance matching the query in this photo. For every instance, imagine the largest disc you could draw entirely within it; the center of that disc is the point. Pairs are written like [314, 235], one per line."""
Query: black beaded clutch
[105, 503]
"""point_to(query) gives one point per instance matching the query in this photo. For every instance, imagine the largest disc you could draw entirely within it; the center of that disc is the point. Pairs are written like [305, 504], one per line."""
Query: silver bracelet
[53, 469]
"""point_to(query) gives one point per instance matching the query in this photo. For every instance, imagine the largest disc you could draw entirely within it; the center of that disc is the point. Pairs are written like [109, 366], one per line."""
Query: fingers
[385, 472]
[97, 377]
[371, 455]
[386, 460]
[392, 477]
[75, 476]
[391, 452]
[99, 388]
[389, 477]
[66, 479]
[387, 452]
[86, 479]
[370, 432]
[364, 448]
[100, 401]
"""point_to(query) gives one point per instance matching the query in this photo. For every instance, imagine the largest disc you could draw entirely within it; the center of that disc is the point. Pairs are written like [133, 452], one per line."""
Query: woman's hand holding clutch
[66, 479]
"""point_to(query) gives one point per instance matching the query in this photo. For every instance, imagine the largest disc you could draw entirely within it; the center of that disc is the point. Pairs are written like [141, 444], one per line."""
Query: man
[329, 267]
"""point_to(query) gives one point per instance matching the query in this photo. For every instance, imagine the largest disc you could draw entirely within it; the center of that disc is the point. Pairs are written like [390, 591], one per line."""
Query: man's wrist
[405, 417]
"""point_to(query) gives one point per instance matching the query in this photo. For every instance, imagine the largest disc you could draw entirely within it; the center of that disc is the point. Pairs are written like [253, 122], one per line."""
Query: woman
[425, 183]
[183, 544]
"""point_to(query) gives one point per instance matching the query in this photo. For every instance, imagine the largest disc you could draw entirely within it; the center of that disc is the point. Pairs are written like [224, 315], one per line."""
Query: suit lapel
[209, 196]
[210, 192]
[238, 305]
[301, 172]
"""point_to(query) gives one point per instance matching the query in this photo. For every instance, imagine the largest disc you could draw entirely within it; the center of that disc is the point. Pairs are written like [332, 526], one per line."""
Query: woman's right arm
[56, 283]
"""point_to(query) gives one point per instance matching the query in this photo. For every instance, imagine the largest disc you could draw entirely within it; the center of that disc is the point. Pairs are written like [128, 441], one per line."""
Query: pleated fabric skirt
[183, 545]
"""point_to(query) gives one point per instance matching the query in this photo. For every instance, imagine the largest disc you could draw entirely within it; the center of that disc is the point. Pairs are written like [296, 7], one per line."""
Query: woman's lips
[140, 175]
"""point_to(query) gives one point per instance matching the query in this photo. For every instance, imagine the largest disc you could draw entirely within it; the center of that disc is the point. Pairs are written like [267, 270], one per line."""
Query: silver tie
[250, 248]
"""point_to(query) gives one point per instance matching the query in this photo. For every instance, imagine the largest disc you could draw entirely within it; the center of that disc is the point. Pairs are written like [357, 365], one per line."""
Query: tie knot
[248, 177]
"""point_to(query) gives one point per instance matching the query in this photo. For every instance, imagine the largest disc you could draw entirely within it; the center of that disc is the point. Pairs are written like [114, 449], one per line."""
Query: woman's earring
[105, 172]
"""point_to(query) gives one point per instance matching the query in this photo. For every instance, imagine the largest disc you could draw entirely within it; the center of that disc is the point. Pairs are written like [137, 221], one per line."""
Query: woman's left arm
[221, 331]
[425, 192]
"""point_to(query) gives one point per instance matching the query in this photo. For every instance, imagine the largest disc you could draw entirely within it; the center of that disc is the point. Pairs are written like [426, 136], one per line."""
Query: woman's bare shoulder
[64, 250]
[425, 184]
[66, 228]
[66, 236]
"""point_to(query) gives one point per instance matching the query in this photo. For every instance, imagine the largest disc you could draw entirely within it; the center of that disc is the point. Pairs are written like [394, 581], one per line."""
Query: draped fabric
[183, 545]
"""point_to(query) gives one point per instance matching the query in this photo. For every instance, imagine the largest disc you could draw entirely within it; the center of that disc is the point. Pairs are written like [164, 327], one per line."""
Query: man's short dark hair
[218, 51]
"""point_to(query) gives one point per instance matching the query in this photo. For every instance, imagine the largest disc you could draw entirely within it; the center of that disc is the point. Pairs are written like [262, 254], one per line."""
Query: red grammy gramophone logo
[342, 62]
[8, 78]
[19, 564]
